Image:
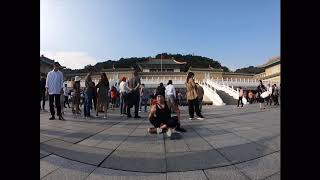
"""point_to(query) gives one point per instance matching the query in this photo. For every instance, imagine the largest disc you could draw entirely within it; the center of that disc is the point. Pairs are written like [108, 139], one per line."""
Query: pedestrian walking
[240, 97]
[102, 95]
[54, 85]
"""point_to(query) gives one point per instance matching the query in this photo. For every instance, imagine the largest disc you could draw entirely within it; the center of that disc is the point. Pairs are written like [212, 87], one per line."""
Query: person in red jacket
[113, 97]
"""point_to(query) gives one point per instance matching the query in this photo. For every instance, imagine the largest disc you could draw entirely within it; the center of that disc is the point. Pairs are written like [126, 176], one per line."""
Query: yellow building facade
[272, 71]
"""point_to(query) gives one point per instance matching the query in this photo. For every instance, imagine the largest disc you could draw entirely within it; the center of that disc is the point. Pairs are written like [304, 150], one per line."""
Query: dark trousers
[240, 100]
[269, 100]
[95, 102]
[43, 99]
[135, 102]
[66, 101]
[172, 122]
[56, 99]
[122, 103]
[194, 106]
[276, 100]
[200, 104]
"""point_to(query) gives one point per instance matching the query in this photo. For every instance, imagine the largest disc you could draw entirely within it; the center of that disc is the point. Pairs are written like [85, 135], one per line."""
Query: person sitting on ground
[160, 118]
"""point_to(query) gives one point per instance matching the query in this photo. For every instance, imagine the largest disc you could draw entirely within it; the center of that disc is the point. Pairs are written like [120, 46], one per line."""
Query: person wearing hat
[76, 97]
[54, 86]
[160, 118]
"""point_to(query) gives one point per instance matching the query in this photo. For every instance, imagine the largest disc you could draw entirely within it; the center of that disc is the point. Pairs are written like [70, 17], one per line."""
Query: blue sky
[237, 33]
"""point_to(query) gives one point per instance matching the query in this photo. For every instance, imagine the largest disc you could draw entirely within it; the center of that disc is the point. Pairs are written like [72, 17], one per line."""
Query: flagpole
[161, 62]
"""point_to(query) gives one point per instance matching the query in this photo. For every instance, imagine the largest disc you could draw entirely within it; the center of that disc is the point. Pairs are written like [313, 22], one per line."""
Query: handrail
[230, 91]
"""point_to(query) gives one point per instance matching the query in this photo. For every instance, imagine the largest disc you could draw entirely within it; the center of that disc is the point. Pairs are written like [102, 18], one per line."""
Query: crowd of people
[129, 93]
[262, 95]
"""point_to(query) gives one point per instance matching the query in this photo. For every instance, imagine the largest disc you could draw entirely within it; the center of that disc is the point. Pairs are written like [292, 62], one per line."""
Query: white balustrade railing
[164, 80]
[230, 91]
[212, 95]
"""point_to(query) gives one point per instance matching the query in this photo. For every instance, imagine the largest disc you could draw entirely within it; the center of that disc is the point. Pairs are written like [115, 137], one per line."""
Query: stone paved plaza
[231, 143]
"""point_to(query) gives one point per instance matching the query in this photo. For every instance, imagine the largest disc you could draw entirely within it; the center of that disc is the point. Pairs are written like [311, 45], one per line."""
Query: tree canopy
[250, 70]
[192, 60]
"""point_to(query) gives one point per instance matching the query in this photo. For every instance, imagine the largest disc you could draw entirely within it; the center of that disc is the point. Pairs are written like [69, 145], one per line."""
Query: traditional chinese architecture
[46, 64]
[272, 70]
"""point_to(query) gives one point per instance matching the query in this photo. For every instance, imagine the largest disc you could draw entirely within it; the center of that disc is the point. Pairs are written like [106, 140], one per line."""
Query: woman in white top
[269, 99]
[170, 94]
[124, 90]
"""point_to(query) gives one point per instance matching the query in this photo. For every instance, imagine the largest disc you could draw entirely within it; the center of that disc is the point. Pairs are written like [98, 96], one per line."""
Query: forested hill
[250, 70]
[192, 60]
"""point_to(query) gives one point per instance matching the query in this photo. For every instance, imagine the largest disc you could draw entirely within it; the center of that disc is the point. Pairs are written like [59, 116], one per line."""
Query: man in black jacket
[43, 90]
[134, 95]
[161, 90]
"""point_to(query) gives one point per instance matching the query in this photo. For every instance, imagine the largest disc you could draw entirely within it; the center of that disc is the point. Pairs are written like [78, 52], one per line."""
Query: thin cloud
[72, 60]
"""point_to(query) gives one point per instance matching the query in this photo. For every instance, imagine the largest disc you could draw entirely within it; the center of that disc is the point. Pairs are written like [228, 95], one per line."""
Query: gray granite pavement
[231, 143]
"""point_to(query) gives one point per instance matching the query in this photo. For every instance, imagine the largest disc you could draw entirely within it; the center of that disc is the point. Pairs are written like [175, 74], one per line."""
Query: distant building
[272, 70]
[161, 65]
[46, 64]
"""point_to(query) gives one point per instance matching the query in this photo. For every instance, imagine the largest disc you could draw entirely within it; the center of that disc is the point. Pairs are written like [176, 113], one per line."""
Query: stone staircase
[226, 98]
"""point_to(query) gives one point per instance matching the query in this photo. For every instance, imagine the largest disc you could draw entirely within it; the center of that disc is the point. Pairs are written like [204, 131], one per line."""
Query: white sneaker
[159, 130]
[169, 132]
[192, 118]
[200, 118]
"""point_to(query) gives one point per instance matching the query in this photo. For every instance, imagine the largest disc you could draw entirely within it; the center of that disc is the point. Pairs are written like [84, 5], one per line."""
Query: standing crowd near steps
[129, 93]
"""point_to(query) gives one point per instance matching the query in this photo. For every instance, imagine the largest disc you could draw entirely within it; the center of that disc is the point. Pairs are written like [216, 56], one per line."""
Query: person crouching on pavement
[160, 118]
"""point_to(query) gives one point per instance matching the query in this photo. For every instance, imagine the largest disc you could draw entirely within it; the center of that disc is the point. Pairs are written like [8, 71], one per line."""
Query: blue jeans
[200, 104]
[143, 101]
[87, 104]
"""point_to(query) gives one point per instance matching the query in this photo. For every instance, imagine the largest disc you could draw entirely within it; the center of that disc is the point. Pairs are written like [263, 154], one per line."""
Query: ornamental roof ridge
[272, 60]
